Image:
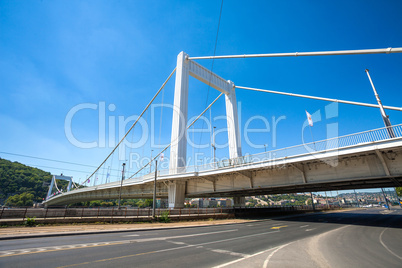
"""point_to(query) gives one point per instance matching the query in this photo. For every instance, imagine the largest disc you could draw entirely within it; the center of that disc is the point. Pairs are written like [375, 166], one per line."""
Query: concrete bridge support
[239, 201]
[176, 193]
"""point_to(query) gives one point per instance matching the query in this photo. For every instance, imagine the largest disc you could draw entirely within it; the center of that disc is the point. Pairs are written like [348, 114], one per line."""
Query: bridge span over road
[363, 160]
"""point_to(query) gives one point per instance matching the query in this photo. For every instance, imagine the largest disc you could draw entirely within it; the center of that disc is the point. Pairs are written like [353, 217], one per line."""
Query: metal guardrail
[103, 213]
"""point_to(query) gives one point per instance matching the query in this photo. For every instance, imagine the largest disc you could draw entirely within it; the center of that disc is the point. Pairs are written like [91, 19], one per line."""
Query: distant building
[211, 202]
[162, 203]
[224, 202]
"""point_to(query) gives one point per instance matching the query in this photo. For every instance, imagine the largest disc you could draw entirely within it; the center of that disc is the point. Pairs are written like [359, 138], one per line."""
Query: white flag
[310, 121]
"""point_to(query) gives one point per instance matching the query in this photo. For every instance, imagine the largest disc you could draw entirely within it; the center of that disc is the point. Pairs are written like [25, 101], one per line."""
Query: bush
[164, 217]
[30, 222]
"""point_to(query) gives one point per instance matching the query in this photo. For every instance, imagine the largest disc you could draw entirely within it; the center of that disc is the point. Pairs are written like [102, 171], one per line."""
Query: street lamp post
[150, 164]
[357, 200]
[121, 184]
[312, 201]
[154, 196]
[385, 117]
[385, 198]
[213, 144]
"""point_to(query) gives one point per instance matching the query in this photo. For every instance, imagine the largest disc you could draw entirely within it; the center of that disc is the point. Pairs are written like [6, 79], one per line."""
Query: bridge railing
[365, 137]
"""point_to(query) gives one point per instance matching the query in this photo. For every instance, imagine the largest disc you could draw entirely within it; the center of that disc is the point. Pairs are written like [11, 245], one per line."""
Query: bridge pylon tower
[54, 183]
[178, 151]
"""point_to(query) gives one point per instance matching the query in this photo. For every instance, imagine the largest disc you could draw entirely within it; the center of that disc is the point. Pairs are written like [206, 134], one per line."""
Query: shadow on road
[364, 217]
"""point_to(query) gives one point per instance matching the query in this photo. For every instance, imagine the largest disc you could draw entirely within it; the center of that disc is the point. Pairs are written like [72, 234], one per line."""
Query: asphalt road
[363, 238]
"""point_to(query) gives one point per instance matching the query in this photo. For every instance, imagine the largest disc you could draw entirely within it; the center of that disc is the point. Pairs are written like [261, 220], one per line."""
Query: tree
[399, 191]
[16, 179]
[20, 200]
[143, 203]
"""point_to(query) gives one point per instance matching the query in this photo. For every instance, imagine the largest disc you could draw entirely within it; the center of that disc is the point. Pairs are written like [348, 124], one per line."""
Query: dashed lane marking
[17, 252]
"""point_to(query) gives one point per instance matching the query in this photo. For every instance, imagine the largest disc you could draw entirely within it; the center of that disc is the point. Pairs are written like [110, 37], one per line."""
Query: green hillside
[22, 183]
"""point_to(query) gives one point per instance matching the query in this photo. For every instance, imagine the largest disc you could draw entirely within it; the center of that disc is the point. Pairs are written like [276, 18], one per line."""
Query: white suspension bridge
[368, 159]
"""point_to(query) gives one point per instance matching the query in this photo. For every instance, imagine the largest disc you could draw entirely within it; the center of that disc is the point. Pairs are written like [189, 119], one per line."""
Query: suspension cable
[55, 184]
[75, 185]
[160, 118]
[299, 54]
[192, 123]
[146, 108]
[212, 68]
[320, 98]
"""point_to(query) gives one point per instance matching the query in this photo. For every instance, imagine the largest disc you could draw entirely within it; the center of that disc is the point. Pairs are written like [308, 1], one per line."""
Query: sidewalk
[75, 229]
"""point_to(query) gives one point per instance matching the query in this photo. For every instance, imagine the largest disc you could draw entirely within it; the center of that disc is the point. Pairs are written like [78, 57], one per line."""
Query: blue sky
[55, 55]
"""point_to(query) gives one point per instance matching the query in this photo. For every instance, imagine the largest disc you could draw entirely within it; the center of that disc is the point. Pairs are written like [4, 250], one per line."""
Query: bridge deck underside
[372, 169]
[313, 187]
[351, 169]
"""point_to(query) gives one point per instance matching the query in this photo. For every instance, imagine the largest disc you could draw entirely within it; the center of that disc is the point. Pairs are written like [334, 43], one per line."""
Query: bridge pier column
[178, 148]
[176, 194]
[239, 201]
[232, 122]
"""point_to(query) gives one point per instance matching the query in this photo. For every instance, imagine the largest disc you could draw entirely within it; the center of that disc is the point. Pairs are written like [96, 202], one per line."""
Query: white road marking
[244, 258]
[382, 243]
[308, 230]
[177, 243]
[131, 235]
[386, 211]
[240, 237]
[230, 252]
[272, 254]
[213, 242]
[181, 236]
[304, 226]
